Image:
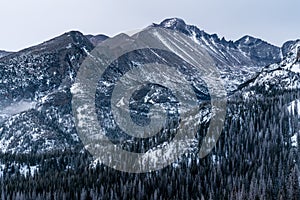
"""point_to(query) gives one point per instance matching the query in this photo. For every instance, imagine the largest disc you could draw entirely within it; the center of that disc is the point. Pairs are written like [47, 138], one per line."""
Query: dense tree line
[255, 158]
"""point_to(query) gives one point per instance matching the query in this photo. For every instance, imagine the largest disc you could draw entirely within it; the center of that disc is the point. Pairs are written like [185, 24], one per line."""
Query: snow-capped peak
[172, 23]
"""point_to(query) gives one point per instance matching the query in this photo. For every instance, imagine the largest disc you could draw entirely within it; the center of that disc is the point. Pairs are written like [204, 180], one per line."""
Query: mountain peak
[64, 41]
[173, 23]
[248, 40]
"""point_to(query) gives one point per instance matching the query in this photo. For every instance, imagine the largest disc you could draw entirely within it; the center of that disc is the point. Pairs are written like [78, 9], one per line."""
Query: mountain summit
[237, 61]
[35, 97]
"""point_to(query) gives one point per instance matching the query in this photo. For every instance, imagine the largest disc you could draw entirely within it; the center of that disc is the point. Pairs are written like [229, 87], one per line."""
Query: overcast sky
[28, 22]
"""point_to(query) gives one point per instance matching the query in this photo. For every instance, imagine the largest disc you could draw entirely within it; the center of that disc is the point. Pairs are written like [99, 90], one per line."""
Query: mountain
[237, 61]
[258, 50]
[35, 97]
[35, 94]
[245, 51]
[255, 157]
[276, 77]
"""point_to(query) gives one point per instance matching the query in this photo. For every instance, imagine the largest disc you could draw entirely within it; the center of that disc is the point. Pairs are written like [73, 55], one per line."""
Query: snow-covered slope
[237, 61]
[35, 97]
[279, 76]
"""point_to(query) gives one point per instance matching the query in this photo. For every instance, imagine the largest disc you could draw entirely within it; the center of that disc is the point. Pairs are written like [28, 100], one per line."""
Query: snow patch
[294, 107]
[194, 37]
[294, 140]
[296, 68]
[15, 108]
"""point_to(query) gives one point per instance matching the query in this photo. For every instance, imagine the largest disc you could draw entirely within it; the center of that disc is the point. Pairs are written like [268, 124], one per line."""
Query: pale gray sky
[28, 22]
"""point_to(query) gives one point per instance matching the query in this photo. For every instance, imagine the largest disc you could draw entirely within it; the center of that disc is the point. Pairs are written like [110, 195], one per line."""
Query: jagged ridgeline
[257, 156]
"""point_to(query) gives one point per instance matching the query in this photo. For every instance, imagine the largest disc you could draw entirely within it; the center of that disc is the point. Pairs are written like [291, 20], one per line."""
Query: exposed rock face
[41, 76]
[276, 77]
[35, 97]
[237, 61]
